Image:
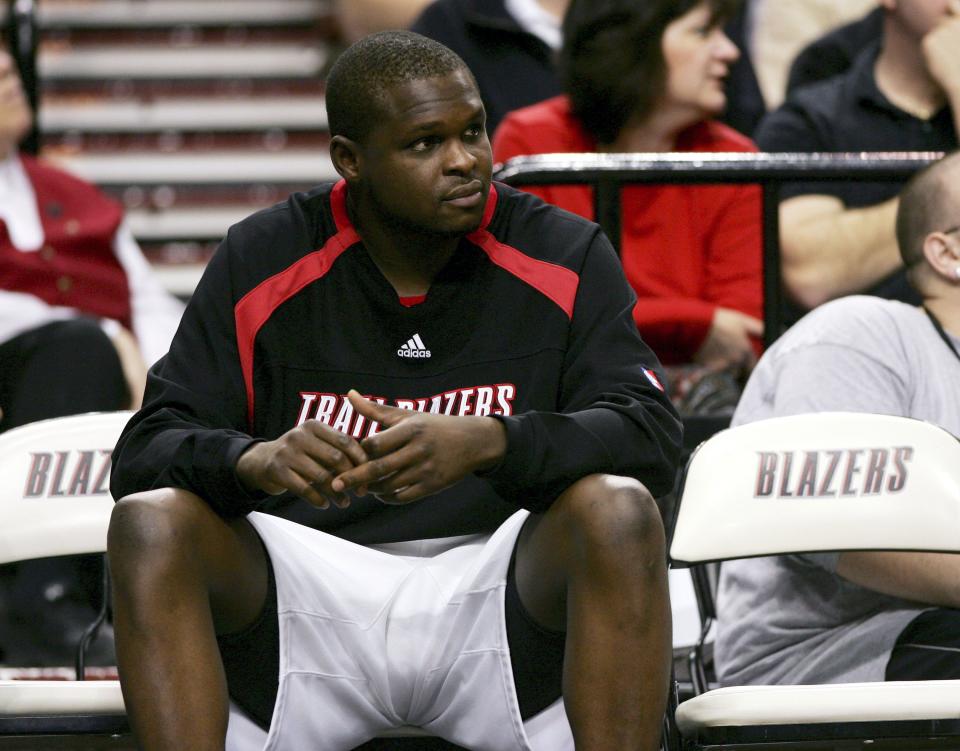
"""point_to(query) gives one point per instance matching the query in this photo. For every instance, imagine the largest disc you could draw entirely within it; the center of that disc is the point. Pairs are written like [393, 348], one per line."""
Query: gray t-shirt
[792, 619]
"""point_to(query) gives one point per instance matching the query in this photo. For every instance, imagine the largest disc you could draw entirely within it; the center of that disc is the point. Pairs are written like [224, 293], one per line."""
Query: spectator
[500, 329]
[509, 45]
[900, 94]
[73, 285]
[648, 77]
[357, 18]
[859, 616]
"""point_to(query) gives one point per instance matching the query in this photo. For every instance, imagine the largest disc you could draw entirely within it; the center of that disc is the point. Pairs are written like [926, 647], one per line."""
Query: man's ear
[346, 157]
[942, 253]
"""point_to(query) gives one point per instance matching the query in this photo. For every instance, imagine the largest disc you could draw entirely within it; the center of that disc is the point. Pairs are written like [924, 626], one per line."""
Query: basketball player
[411, 354]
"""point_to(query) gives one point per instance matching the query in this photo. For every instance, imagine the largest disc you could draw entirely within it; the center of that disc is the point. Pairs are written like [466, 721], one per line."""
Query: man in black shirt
[513, 421]
[901, 93]
[513, 65]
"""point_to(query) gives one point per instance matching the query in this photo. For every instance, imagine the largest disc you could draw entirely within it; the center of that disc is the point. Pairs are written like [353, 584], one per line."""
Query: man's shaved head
[929, 202]
[358, 80]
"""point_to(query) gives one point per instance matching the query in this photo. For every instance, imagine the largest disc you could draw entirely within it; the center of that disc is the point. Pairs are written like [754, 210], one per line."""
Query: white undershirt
[18, 206]
[531, 17]
[155, 313]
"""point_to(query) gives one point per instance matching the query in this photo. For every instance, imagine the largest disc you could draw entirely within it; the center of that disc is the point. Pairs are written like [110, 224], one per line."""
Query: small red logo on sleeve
[652, 377]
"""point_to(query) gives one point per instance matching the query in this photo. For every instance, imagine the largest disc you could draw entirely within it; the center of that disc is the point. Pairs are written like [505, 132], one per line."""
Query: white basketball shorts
[405, 634]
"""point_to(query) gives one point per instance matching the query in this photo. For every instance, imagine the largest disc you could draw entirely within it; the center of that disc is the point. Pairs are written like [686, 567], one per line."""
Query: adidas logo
[414, 348]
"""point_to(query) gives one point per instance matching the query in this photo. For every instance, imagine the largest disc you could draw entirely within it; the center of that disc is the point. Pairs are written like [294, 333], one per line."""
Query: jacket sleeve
[192, 427]
[614, 416]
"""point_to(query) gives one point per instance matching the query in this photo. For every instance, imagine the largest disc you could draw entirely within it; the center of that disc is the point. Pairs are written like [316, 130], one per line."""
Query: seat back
[54, 478]
[829, 481]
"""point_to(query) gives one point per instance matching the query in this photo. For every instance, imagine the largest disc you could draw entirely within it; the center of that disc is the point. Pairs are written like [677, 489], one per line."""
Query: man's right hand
[941, 51]
[304, 461]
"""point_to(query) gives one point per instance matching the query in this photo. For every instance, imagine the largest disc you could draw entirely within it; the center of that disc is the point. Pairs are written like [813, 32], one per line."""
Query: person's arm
[734, 281]
[357, 18]
[828, 250]
[192, 428]
[929, 578]
[131, 362]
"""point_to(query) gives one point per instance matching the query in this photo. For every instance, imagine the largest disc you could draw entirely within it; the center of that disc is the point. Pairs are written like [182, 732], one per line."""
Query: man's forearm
[928, 578]
[829, 251]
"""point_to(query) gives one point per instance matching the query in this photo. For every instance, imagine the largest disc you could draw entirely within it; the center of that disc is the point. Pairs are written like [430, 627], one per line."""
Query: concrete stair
[193, 113]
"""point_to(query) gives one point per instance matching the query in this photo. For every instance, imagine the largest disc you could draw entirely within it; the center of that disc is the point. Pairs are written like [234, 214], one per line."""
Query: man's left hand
[418, 454]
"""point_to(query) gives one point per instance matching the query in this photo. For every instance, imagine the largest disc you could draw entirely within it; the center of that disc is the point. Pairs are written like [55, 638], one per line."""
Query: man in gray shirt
[859, 616]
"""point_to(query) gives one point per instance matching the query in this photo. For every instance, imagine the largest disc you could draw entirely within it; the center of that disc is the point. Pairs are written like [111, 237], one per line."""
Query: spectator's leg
[594, 564]
[63, 368]
[181, 575]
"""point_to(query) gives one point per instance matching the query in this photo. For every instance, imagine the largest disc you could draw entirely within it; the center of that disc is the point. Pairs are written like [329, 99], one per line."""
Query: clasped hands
[414, 455]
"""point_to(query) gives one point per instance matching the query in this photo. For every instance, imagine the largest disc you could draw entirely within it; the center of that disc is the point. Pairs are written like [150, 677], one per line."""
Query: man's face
[14, 110]
[426, 165]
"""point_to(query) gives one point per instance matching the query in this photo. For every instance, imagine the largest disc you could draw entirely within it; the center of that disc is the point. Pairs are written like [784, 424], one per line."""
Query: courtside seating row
[54, 502]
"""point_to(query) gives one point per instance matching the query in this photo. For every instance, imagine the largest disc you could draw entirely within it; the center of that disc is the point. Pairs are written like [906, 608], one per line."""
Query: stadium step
[193, 113]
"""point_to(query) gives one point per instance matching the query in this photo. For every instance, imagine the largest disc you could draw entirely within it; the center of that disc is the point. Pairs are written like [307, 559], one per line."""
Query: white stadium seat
[737, 502]
[55, 500]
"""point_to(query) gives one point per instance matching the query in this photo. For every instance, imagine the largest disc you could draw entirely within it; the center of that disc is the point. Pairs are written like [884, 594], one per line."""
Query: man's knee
[157, 523]
[606, 512]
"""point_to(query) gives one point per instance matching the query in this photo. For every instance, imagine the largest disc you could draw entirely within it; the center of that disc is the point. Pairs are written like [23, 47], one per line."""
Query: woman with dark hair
[648, 76]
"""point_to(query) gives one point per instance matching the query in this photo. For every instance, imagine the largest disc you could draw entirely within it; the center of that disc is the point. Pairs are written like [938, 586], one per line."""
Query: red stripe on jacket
[255, 308]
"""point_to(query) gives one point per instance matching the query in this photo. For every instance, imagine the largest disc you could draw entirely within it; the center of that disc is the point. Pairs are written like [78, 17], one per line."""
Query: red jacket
[685, 249]
[76, 267]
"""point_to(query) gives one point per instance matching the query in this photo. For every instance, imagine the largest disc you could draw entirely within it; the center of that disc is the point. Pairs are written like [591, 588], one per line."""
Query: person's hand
[304, 461]
[418, 454]
[941, 51]
[131, 362]
[728, 343]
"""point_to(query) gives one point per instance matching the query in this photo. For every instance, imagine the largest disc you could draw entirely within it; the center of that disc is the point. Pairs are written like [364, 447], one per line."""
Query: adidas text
[414, 347]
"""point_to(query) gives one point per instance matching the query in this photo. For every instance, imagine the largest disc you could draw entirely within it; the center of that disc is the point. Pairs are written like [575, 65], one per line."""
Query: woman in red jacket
[648, 76]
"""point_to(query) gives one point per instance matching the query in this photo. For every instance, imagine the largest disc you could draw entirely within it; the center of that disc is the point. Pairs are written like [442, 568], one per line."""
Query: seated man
[859, 616]
[512, 412]
[902, 93]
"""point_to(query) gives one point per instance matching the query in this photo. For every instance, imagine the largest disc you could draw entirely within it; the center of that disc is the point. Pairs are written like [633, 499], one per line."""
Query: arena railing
[607, 174]
[21, 31]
